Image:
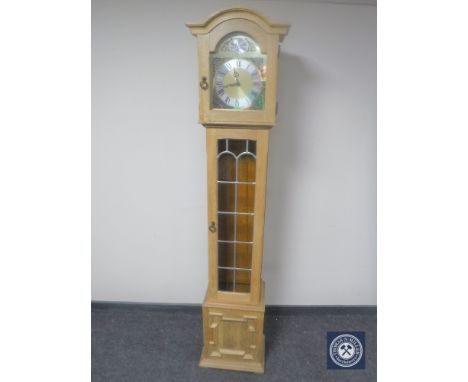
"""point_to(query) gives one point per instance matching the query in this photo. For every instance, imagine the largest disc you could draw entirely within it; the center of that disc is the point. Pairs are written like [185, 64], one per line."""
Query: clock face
[238, 83]
[238, 73]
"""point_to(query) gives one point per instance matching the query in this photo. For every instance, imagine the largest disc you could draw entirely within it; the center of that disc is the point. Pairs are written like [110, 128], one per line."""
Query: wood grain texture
[233, 336]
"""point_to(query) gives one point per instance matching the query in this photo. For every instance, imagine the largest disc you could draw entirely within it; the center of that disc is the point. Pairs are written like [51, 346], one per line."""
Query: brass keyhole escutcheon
[204, 83]
[212, 227]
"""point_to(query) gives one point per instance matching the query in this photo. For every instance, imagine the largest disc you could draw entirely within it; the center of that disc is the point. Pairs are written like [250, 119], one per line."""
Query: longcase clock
[238, 62]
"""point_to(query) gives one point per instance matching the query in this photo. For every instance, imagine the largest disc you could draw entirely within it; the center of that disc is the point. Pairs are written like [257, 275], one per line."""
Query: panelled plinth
[233, 336]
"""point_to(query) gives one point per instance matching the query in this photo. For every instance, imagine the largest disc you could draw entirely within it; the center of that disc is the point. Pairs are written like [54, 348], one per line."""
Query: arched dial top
[238, 70]
[238, 43]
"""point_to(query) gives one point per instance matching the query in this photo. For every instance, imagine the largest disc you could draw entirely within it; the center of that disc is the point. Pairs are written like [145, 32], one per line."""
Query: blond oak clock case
[233, 321]
[267, 35]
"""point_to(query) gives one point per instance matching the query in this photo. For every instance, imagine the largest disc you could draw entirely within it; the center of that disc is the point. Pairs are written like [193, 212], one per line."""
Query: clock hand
[233, 84]
[236, 75]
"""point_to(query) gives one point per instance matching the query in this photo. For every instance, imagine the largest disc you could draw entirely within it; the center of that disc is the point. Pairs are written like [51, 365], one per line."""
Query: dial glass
[238, 74]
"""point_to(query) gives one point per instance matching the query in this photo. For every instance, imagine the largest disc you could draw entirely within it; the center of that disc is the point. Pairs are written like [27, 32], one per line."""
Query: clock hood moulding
[239, 13]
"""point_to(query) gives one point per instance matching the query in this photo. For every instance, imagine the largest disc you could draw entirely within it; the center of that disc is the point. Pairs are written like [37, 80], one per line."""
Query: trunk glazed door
[236, 159]
[237, 172]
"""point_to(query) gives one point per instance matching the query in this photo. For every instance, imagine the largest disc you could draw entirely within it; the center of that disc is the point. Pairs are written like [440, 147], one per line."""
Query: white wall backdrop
[149, 224]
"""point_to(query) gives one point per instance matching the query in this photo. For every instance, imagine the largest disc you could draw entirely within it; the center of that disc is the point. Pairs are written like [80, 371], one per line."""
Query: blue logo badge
[346, 350]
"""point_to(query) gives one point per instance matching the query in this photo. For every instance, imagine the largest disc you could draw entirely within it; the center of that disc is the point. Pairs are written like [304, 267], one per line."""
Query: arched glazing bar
[236, 201]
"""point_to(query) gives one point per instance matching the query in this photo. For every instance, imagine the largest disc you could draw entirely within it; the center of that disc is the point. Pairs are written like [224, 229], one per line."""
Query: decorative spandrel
[236, 212]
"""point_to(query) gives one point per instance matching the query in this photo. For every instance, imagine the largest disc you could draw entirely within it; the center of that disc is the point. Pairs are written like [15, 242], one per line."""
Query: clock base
[233, 336]
[237, 365]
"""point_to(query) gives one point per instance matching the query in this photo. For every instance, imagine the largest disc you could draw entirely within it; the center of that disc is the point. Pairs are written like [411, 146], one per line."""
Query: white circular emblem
[346, 350]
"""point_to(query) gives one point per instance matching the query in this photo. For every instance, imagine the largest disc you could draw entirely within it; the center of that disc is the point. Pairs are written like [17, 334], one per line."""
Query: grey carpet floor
[143, 343]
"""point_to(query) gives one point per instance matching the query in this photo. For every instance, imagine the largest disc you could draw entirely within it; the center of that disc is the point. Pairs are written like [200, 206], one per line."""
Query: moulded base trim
[238, 365]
